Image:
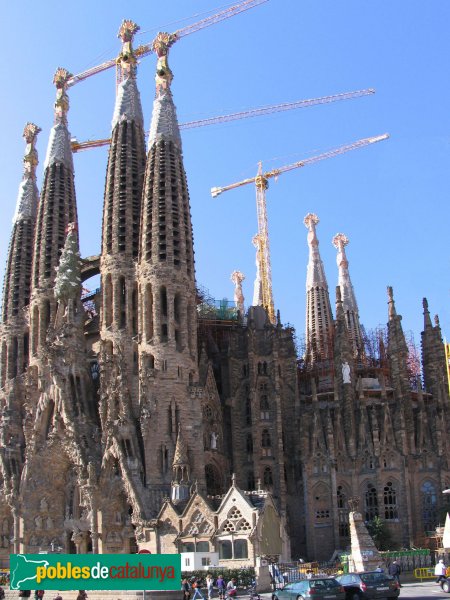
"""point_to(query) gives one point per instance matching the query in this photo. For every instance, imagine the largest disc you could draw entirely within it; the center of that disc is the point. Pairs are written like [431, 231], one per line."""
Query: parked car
[316, 588]
[369, 585]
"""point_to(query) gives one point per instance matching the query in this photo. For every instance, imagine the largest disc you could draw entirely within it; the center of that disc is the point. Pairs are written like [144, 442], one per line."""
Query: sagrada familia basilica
[145, 417]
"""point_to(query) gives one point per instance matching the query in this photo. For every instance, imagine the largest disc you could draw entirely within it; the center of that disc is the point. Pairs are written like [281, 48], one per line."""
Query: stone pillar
[364, 554]
[262, 574]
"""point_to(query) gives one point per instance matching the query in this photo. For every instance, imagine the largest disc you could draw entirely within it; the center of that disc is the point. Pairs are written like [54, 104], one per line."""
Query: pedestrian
[285, 577]
[210, 586]
[82, 595]
[221, 586]
[196, 586]
[58, 597]
[185, 586]
[379, 569]
[439, 571]
[395, 570]
[38, 594]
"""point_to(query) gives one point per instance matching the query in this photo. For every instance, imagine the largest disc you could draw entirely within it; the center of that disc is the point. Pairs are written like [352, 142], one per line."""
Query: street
[426, 590]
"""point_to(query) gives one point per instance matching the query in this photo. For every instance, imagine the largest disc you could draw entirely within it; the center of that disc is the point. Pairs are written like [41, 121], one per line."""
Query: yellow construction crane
[168, 39]
[261, 182]
[254, 112]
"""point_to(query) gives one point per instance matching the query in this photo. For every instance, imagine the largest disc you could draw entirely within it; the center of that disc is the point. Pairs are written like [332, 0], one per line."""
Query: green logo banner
[95, 571]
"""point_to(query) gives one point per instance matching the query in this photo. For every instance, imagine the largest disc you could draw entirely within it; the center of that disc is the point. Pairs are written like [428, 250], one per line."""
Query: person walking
[185, 586]
[440, 570]
[210, 586]
[196, 585]
[221, 586]
[395, 570]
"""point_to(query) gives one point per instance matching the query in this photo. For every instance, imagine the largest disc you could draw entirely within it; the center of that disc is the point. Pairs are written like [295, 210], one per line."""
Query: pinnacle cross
[339, 241]
[60, 80]
[392, 312]
[30, 159]
[127, 59]
[160, 45]
[310, 221]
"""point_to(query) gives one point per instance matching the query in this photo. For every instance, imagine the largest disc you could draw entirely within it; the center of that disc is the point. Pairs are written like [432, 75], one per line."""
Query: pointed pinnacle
[426, 314]
[391, 303]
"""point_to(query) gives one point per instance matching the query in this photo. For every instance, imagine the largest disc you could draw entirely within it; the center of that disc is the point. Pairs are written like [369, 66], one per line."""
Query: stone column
[365, 555]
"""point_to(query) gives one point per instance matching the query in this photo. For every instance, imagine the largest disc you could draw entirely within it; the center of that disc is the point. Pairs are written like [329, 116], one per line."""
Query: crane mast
[261, 182]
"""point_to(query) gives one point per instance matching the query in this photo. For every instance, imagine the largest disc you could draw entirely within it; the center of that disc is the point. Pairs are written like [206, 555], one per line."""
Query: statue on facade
[346, 372]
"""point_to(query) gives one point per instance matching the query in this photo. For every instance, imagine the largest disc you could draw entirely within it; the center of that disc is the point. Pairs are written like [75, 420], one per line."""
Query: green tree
[380, 533]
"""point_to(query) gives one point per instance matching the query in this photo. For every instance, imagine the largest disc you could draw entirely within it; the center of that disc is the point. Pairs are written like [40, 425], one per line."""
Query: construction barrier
[424, 573]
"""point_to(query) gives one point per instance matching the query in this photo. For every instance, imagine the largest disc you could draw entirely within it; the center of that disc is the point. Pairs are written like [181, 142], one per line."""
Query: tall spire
[57, 209]
[17, 282]
[433, 353]
[166, 288]
[349, 304]
[397, 348]
[16, 292]
[28, 196]
[319, 320]
[126, 162]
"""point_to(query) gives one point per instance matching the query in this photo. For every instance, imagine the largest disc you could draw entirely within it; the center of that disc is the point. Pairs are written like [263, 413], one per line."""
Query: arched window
[225, 549]
[240, 549]
[213, 483]
[187, 547]
[265, 439]
[344, 529]
[429, 501]
[249, 443]
[265, 408]
[390, 502]
[371, 502]
[266, 443]
[122, 302]
[202, 546]
[267, 476]
[251, 481]
[248, 411]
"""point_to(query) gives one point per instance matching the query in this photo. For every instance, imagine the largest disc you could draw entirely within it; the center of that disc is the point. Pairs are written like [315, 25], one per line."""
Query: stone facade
[117, 420]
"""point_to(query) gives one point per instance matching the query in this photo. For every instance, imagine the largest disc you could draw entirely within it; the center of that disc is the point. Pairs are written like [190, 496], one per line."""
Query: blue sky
[390, 199]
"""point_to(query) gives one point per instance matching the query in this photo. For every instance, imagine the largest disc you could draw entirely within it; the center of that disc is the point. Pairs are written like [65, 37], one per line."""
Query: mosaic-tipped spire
[59, 149]
[28, 197]
[164, 119]
[128, 102]
[319, 320]
[57, 208]
[349, 303]
[16, 291]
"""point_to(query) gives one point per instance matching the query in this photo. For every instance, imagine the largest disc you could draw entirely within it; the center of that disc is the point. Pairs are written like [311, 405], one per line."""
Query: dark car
[445, 585]
[368, 585]
[317, 588]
